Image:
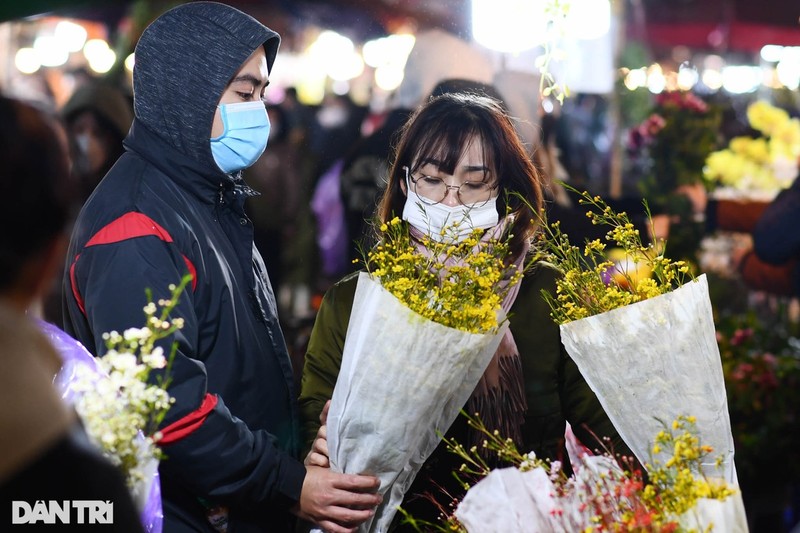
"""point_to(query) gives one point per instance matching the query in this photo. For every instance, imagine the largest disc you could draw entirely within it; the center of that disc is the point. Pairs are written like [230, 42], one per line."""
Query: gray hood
[184, 61]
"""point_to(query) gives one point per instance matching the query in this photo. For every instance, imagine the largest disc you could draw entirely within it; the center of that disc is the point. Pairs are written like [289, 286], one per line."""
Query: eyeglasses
[432, 190]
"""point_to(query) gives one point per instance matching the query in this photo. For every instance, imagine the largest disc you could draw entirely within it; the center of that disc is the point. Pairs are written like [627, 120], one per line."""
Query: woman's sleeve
[324, 356]
[555, 389]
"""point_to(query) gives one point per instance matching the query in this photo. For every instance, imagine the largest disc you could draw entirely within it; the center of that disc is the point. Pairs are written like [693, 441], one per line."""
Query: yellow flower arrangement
[456, 284]
[604, 493]
[420, 295]
[593, 283]
[677, 483]
[759, 165]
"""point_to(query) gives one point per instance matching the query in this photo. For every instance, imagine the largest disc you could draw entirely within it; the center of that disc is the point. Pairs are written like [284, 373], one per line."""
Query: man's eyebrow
[256, 82]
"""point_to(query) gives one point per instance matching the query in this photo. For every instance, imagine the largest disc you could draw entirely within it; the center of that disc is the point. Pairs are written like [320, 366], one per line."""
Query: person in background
[562, 204]
[299, 117]
[283, 228]
[98, 116]
[44, 453]
[173, 205]
[335, 128]
[772, 263]
[279, 209]
[776, 240]
[459, 154]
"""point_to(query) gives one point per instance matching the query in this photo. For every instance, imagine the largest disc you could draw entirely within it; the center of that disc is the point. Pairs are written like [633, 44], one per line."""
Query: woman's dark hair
[34, 185]
[441, 129]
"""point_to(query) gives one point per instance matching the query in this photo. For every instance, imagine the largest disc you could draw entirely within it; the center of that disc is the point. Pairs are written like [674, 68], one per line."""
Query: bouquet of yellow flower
[758, 168]
[423, 326]
[601, 494]
[457, 285]
[645, 345]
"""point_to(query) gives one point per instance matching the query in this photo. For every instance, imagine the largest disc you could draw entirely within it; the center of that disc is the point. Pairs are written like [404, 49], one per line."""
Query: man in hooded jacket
[172, 205]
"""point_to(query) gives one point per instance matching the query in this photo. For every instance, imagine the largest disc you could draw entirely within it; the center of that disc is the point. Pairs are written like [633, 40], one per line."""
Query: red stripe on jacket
[189, 423]
[128, 226]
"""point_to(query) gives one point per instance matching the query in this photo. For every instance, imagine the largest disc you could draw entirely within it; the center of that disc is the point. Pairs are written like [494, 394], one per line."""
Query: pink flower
[742, 371]
[770, 359]
[653, 125]
[682, 100]
[740, 336]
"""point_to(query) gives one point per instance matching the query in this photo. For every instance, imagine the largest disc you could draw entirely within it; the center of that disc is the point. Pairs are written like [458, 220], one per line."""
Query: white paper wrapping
[726, 516]
[508, 500]
[654, 360]
[402, 383]
[511, 501]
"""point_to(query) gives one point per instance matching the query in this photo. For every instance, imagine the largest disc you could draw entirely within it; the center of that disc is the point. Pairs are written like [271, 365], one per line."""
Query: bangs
[444, 143]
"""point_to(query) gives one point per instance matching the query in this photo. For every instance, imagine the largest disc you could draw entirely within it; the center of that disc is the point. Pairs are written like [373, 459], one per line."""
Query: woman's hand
[318, 456]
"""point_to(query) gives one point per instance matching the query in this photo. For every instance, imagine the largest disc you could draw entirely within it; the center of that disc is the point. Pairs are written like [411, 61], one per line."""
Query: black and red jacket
[164, 210]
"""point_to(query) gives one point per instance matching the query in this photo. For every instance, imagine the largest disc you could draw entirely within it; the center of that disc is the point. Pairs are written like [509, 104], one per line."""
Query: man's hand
[337, 502]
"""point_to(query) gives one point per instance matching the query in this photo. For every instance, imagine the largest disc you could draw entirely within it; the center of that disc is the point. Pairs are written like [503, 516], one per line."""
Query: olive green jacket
[555, 390]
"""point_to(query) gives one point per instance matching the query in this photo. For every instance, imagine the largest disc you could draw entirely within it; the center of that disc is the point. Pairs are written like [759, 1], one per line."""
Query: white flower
[155, 359]
[119, 406]
[529, 461]
[137, 334]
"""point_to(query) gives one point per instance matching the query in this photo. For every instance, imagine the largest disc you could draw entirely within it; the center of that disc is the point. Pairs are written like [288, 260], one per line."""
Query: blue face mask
[244, 138]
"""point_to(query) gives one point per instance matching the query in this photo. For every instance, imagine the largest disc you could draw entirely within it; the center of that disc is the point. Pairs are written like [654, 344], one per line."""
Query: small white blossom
[155, 359]
[120, 406]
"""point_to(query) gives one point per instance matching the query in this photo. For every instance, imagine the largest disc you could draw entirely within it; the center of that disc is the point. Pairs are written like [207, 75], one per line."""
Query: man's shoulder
[132, 192]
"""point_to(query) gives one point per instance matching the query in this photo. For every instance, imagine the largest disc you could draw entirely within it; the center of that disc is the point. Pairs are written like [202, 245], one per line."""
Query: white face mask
[448, 224]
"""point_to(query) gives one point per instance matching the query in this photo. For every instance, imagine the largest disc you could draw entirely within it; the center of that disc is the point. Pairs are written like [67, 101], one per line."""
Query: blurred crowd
[326, 164]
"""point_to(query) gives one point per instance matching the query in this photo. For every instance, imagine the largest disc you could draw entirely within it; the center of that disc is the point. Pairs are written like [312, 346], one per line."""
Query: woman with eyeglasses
[460, 165]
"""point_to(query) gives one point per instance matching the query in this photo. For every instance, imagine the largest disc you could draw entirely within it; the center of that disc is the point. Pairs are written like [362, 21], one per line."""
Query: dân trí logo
[62, 512]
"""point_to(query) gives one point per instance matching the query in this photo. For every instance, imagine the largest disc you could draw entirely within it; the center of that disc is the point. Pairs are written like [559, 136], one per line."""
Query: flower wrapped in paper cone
[392, 354]
[601, 496]
[510, 500]
[652, 360]
[646, 345]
